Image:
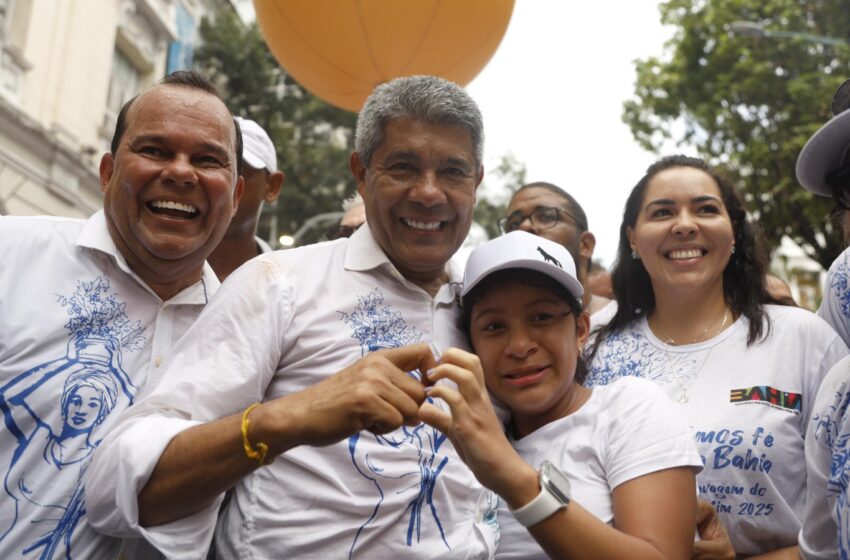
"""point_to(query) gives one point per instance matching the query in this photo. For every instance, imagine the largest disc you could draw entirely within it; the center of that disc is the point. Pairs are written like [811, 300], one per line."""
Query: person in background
[91, 308]
[300, 386]
[549, 211]
[599, 281]
[695, 317]
[780, 290]
[353, 217]
[262, 184]
[823, 167]
[600, 451]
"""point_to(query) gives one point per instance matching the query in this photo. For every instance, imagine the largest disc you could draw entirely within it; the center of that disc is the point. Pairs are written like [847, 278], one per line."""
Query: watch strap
[538, 509]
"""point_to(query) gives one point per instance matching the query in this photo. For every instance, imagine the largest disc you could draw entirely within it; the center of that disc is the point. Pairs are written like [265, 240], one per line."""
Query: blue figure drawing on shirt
[840, 286]
[629, 353]
[832, 431]
[376, 326]
[53, 411]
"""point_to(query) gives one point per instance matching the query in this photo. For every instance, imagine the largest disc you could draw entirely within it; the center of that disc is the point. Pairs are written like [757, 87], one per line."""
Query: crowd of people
[172, 388]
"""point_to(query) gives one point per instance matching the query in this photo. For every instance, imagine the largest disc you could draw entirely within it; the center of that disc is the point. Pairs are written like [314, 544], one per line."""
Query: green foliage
[494, 195]
[313, 139]
[749, 104]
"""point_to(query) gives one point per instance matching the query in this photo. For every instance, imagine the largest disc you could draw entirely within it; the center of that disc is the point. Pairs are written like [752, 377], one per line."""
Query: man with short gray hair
[300, 387]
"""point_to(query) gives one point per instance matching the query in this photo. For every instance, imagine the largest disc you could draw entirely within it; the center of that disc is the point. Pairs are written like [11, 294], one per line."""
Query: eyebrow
[160, 139]
[671, 202]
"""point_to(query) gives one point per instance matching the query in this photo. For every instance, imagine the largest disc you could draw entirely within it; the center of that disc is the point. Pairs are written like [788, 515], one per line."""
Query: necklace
[682, 397]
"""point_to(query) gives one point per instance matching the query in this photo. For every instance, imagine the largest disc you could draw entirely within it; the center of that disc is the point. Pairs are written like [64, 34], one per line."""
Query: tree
[313, 139]
[748, 104]
[493, 195]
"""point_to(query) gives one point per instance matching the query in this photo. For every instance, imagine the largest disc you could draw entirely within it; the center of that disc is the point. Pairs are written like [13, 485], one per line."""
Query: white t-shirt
[625, 430]
[748, 407]
[835, 307]
[826, 523]
[80, 336]
[282, 322]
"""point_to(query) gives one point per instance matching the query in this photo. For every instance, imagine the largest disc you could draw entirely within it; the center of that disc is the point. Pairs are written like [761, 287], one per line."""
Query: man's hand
[714, 541]
[375, 393]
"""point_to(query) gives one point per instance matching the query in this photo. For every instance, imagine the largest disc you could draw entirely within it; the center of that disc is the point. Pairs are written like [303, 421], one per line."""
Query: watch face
[555, 482]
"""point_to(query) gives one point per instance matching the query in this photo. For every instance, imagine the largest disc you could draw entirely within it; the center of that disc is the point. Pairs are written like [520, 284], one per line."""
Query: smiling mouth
[682, 254]
[173, 209]
[423, 226]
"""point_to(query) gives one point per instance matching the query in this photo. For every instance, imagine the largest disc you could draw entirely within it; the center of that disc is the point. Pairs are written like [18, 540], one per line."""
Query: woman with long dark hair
[695, 317]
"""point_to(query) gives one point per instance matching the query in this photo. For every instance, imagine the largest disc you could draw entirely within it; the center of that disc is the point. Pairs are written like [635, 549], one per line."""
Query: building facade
[66, 68]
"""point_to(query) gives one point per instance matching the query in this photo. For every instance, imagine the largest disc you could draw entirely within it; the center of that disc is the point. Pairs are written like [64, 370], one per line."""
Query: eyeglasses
[838, 181]
[339, 231]
[543, 217]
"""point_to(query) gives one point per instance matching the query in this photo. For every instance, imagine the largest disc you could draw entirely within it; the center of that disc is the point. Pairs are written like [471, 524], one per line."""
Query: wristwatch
[554, 495]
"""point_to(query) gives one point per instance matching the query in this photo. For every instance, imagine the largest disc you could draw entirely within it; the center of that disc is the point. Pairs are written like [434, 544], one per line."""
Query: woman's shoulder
[630, 393]
[787, 319]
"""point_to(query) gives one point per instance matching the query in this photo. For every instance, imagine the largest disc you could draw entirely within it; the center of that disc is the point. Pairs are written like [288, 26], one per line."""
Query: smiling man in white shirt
[299, 386]
[90, 308]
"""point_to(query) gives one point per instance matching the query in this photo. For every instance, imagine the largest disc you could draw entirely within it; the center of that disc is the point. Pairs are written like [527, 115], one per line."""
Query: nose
[179, 171]
[427, 190]
[685, 224]
[526, 225]
[520, 344]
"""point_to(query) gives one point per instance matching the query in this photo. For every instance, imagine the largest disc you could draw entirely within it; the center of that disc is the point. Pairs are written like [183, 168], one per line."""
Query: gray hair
[424, 98]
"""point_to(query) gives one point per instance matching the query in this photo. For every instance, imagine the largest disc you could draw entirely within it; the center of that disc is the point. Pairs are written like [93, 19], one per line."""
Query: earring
[635, 255]
[733, 249]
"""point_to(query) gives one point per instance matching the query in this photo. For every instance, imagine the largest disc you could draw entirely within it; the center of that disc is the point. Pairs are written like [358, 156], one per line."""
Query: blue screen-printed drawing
[630, 353]
[376, 326]
[53, 411]
[832, 430]
[840, 286]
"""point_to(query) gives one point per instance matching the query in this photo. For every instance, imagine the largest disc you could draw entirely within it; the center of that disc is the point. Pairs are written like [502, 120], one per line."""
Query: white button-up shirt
[79, 332]
[281, 323]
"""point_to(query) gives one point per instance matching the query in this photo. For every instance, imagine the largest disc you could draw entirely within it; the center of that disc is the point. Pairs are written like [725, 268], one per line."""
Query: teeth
[426, 226]
[171, 205]
[685, 254]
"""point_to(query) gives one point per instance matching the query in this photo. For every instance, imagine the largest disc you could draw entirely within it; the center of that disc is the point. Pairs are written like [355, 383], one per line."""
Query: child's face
[528, 341]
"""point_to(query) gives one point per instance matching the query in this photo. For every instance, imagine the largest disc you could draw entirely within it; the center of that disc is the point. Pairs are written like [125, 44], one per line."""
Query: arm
[201, 462]
[654, 514]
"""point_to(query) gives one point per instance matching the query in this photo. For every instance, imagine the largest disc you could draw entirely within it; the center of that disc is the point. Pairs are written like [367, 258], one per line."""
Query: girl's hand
[473, 427]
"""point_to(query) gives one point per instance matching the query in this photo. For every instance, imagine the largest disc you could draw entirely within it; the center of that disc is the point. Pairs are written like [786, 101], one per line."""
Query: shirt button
[157, 361]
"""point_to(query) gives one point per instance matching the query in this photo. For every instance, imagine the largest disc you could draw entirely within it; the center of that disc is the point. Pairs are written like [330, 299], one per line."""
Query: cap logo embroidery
[549, 258]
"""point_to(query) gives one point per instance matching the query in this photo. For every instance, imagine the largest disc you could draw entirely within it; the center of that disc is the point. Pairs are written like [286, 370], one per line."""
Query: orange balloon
[341, 49]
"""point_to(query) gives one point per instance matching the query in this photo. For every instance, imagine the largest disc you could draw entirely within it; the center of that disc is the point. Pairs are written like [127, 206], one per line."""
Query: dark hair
[744, 285]
[180, 78]
[575, 207]
[524, 277]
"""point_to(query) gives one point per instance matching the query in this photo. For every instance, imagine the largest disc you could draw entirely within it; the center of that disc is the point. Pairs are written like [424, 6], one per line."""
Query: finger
[468, 384]
[435, 417]
[407, 358]
[386, 418]
[466, 360]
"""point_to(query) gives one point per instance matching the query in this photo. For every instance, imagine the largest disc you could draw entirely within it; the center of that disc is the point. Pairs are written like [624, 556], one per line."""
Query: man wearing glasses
[823, 168]
[549, 211]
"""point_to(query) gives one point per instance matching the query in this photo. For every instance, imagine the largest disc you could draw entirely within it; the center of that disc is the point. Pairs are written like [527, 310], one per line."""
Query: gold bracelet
[259, 452]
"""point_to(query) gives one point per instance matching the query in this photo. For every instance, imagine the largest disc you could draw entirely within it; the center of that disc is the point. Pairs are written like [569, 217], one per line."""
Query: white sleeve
[819, 535]
[646, 433]
[835, 307]
[223, 364]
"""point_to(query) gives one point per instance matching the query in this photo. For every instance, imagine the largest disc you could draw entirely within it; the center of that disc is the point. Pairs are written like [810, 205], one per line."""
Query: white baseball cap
[257, 148]
[826, 149]
[520, 249]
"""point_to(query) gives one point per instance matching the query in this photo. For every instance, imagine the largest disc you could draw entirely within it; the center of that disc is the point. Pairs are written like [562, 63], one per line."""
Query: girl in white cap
[601, 473]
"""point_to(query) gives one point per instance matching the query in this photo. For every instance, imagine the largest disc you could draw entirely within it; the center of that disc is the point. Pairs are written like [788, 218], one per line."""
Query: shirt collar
[95, 236]
[364, 253]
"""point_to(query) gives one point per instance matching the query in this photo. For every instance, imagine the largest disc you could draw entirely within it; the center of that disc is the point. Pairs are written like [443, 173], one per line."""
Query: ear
[359, 172]
[479, 176]
[107, 166]
[582, 329]
[237, 193]
[630, 233]
[273, 186]
[587, 243]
